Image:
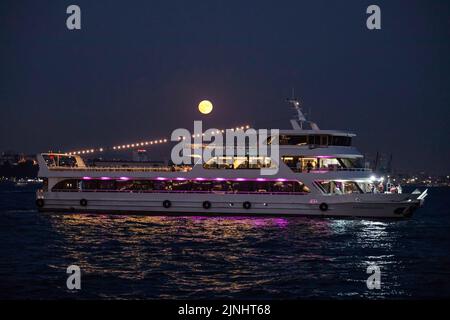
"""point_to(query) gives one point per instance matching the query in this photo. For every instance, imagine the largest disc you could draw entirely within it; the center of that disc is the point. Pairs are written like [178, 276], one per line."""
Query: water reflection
[373, 244]
[194, 257]
[222, 257]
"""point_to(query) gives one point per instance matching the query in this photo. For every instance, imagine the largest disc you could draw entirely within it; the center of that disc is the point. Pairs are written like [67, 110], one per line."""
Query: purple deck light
[196, 179]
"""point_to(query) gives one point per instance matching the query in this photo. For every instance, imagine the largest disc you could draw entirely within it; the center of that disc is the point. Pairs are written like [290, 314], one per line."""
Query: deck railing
[324, 170]
[122, 169]
[184, 191]
[187, 168]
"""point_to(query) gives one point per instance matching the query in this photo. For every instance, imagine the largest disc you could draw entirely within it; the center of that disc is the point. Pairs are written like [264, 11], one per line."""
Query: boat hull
[365, 206]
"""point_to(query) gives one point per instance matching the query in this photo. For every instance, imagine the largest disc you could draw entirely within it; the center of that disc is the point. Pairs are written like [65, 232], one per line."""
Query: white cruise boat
[320, 174]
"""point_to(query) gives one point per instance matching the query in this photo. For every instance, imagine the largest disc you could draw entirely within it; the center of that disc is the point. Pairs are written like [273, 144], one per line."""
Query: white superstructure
[320, 174]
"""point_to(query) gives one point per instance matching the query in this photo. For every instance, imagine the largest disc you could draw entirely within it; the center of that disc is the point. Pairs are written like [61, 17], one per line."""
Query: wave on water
[126, 257]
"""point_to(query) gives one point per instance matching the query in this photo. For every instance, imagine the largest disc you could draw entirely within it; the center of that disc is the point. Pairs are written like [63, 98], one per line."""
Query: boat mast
[300, 119]
[297, 122]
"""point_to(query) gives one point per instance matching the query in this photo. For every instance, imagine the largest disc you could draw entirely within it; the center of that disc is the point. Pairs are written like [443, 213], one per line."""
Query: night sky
[137, 70]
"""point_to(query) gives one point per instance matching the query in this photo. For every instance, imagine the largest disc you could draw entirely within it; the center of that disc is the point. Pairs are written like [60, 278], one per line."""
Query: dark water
[221, 257]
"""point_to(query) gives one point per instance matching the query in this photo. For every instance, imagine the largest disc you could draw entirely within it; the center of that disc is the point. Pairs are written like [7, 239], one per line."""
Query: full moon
[205, 106]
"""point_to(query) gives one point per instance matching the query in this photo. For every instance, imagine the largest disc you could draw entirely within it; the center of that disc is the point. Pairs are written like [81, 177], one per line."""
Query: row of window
[185, 185]
[59, 161]
[236, 162]
[305, 164]
[316, 139]
[339, 187]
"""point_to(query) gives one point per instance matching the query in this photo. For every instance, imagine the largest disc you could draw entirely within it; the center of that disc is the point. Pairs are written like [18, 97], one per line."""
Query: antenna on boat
[294, 102]
[300, 119]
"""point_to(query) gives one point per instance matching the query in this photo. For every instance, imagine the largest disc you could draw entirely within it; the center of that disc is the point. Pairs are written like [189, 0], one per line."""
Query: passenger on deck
[309, 166]
[299, 166]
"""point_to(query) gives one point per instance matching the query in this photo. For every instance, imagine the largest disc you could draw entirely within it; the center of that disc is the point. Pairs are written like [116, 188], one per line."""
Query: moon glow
[205, 106]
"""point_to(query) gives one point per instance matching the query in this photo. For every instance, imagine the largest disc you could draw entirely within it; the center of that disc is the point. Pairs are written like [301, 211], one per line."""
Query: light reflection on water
[198, 256]
[221, 257]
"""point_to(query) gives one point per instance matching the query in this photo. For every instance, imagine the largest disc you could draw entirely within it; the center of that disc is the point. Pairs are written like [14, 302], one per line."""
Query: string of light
[128, 146]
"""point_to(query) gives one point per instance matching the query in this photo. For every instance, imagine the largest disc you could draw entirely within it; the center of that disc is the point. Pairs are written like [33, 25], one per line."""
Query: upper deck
[301, 150]
[73, 166]
[61, 162]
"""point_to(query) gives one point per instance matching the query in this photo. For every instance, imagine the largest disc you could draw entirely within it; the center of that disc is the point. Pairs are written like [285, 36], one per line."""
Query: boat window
[240, 162]
[351, 163]
[243, 186]
[303, 164]
[124, 185]
[330, 164]
[67, 161]
[143, 185]
[246, 162]
[313, 139]
[282, 187]
[160, 185]
[325, 186]
[222, 186]
[201, 185]
[71, 184]
[213, 185]
[106, 185]
[52, 160]
[89, 185]
[341, 141]
[263, 186]
[181, 185]
[339, 187]
[294, 140]
[352, 187]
